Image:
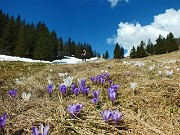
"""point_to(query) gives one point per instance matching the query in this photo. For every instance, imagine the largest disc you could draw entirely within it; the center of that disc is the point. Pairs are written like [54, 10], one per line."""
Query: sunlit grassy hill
[153, 108]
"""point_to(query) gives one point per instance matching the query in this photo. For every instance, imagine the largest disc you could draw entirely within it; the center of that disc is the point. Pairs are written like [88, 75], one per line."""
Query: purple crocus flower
[95, 100]
[102, 80]
[112, 95]
[115, 87]
[73, 86]
[107, 75]
[106, 115]
[96, 93]
[76, 91]
[3, 121]
[74, 109]
[50, 88]
[93, 79]
[84, 90]
[63, 89]
[98, 78]
[82, 82]
[43, 131]
[116, 116]
[12, 93]
[110, 82]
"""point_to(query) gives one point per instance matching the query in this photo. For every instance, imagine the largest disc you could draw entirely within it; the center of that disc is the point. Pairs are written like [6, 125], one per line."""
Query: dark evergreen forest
[18, 38]
[162, 45]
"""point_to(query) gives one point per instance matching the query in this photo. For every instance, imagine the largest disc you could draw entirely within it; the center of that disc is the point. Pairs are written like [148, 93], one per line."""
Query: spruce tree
[133, 53]
[141, 52]
[171, 43]
[8, 38]
[43, 49]
[117, 51]
[159, 47]
[60, 45]
[21, 43]
[106, 55]
[150, 48]
[121, 52]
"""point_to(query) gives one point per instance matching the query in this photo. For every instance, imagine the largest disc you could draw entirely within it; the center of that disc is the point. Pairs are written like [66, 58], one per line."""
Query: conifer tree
[141, 52]
[106, 55]
[150, 48]
[159, 47]
[171, 43]
[121, 52]
[21, 48]
[31, 39]
[8, 38]
[60, 45]
[133, 53]
[52, 46]
[41, 50]
[117, 51]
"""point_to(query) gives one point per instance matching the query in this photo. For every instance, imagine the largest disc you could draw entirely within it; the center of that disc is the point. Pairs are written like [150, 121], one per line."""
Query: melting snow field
[66, 60]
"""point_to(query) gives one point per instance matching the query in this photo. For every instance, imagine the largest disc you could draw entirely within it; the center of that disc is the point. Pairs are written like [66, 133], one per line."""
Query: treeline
[162, 45]
[18, 38]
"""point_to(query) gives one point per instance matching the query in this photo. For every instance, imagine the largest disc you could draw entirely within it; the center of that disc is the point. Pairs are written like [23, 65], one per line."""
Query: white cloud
[115, 2]
[131, 34]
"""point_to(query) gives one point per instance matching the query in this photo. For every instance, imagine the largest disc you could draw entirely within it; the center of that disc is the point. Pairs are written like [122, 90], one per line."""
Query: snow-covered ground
[66, 60]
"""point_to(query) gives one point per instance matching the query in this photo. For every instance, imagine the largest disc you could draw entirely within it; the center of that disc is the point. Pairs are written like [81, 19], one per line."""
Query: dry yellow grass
[152, 110]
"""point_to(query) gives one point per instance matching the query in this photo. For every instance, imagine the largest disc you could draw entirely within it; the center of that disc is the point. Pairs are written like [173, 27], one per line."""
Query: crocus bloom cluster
[2, 121]
[74, 109]
[41, 131]
[115, 115]
[100, 78]
[96, 96]
[12, 93]
[112, 92]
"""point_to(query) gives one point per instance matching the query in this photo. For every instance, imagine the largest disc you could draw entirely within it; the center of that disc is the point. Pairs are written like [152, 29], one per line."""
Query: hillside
[151, 109]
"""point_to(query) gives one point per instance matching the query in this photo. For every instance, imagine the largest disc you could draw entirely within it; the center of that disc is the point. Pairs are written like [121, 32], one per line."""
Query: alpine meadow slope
[149, 107]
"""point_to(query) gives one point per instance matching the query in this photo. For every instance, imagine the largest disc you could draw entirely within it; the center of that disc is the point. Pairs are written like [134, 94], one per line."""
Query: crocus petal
[95, 100]
[35, 131]
[41, 127]
[46, 130]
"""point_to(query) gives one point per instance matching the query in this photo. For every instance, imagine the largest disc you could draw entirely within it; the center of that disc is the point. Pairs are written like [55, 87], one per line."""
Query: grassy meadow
[153, 108]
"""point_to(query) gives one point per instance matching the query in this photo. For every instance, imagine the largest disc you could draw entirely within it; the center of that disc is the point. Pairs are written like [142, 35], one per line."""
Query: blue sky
[101, 23]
